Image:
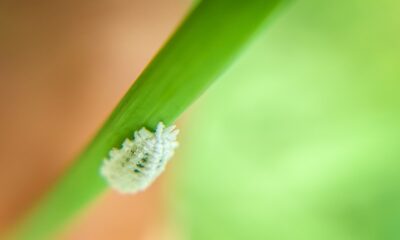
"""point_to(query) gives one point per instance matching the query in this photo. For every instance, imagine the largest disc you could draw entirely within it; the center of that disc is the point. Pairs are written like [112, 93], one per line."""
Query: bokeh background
[298, 140]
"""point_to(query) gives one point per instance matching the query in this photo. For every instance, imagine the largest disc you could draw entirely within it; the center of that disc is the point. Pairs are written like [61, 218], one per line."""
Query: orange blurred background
[64, 65]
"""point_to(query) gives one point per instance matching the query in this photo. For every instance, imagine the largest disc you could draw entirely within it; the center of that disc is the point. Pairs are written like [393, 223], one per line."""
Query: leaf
[204, 45]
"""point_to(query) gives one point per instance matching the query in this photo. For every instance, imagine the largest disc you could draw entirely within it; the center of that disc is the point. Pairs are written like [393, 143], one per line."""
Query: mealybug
[134, 166]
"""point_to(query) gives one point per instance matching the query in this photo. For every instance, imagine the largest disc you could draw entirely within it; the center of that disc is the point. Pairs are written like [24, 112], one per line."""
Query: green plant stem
[203, 46]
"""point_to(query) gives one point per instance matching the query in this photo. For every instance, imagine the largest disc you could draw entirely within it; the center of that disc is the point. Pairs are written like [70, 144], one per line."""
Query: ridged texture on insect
[140, 161]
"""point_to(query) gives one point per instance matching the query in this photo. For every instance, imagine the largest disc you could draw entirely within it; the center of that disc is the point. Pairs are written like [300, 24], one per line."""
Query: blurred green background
[299, 139]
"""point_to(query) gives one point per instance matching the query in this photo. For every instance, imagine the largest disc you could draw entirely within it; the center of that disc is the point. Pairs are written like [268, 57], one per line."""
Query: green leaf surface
[203, 46]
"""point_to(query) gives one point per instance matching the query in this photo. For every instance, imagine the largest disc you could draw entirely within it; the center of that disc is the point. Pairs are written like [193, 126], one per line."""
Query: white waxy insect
[134, 166]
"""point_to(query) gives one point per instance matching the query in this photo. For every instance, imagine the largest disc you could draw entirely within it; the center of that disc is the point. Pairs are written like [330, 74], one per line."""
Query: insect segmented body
[134, 166]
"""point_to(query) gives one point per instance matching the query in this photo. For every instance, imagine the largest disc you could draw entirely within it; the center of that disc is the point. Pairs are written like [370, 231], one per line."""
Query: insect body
[134, 166]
